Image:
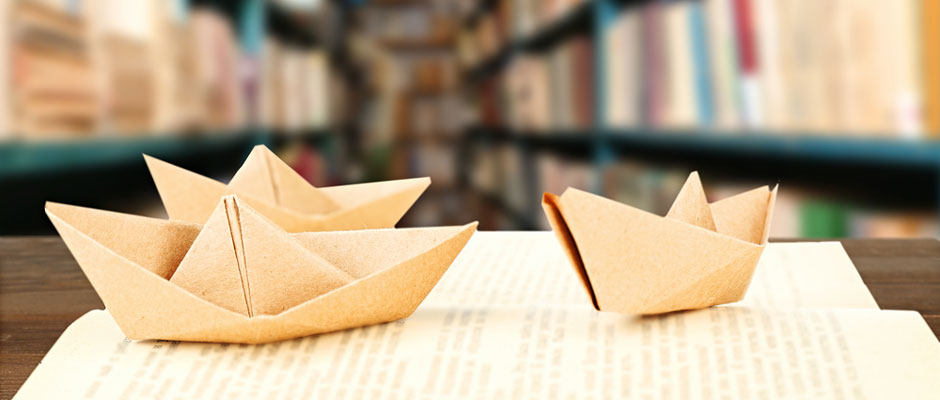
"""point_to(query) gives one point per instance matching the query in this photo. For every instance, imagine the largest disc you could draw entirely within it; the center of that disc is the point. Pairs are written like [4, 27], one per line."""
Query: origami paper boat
[275, 190]
[631, 261]
[242, 279]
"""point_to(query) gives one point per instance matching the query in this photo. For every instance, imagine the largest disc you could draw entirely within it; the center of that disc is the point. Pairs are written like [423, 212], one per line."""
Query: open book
[510, 319]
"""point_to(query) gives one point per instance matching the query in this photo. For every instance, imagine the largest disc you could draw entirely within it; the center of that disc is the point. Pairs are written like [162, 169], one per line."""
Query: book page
[510, 318]
[523, 268]
[513, 352]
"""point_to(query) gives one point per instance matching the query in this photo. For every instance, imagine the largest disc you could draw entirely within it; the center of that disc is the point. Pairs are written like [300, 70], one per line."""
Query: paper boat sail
[242, 279]
[275, 190]
[631, 261]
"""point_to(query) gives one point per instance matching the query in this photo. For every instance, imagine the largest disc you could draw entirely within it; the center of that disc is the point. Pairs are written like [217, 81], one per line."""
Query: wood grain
[42, 290]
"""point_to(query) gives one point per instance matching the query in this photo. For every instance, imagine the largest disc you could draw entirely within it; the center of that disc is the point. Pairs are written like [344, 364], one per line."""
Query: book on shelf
[554, 10]
[68, 68]
[174, 68]
[749, 89]
[528, 94]
[5, 117]
[653, 61]
[121, 35]
[580, 53]
[930, 45]
[679, 105]
[703, 97]
[524, 16]
[298, 89]
[550, 91]
[218, 73]
[513, 180]
[722, 55]
[51, 89]
[510, 22]
[435, 160]
[861, 68]
[622, 90]
[765, 14]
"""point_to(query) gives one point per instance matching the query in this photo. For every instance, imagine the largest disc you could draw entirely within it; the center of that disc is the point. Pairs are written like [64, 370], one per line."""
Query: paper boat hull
[148, 306]
[631, 261]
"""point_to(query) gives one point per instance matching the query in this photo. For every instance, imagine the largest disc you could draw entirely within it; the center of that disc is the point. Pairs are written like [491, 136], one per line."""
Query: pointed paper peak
[245, 263]
[691, 206]
[155, 244]
[744, 215]
[376, 204]
[769, 214]
[278, 192]
[212, 269]
[254, 176]
[267, 177]
[186, 195]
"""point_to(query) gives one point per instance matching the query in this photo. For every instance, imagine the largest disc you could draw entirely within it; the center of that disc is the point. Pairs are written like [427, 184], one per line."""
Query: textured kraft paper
[276, 191]
[634, 262]
[174, 280]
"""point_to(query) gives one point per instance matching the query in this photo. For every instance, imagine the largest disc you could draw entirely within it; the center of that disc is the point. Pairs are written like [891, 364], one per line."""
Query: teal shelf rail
[916, 153]
[23, 159]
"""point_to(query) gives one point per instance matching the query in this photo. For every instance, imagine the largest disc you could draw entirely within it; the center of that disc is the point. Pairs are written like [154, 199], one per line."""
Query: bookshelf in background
[746, 91]
[94, 84]
[412, 116]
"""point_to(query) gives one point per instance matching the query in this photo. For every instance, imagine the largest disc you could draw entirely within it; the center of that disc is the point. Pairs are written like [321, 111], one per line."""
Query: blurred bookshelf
[623, 97]
[496, 100]
[96, 83]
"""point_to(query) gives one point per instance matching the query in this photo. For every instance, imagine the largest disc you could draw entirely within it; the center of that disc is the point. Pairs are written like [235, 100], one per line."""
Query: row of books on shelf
[425, 74]
[418, 25]
[553, 91]
[499, 172]
[114, 67]
[803, 66]
[298, 89]
[433, 160]
[439, 116]
[857, 67]
[507, 22]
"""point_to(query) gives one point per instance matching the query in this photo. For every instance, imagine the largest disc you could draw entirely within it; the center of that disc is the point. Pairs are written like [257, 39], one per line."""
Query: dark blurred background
[495, 100]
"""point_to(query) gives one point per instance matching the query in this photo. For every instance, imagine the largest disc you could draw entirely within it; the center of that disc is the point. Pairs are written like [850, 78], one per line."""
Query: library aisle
[497, 101]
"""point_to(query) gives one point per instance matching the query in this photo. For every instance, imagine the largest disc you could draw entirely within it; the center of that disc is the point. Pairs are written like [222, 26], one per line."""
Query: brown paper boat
[631, 261]
[242, 279]
[275, 190]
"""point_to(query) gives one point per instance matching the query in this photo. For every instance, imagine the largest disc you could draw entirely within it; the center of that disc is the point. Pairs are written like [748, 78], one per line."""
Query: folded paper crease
[635, 262]
[363, 277]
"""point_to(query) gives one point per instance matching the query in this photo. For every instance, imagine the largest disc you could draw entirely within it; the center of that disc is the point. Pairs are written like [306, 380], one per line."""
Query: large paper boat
[631, 261]
[275, 190]
[241, 279]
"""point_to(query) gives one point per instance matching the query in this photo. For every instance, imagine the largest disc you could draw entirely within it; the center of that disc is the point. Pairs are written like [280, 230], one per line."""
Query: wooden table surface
[42, 290]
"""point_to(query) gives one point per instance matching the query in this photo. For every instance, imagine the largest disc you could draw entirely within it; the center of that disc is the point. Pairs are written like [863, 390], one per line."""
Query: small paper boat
[631, 261]
[242, 279]
[275, 190]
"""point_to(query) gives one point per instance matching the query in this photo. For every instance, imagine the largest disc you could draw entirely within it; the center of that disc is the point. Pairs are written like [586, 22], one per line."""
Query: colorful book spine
[703, 85]
[748, 85]
[581, 55]
[652, 60]
[723, 55]
[930, 25]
